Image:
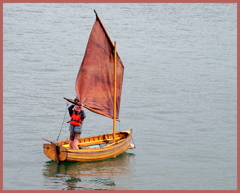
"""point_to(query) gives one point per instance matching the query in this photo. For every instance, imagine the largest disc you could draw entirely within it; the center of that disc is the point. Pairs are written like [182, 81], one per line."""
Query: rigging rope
[133, 142]
[119, 129]
[63, 120]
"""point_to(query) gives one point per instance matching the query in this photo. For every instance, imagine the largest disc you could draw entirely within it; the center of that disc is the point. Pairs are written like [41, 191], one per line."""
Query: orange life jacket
[76, 119]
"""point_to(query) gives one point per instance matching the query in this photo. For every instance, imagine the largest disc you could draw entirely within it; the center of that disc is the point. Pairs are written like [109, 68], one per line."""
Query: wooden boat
[92, 148]
[98, 87]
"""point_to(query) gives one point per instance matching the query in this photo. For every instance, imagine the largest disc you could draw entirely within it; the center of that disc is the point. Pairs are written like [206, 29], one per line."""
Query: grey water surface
[179, 95]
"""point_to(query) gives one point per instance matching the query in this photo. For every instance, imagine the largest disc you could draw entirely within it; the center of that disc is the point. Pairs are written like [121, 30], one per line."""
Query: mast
[114, 92]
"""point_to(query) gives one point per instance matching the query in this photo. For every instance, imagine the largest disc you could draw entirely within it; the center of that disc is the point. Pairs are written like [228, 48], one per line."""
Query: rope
[63, 120]
[119, 129]
[133, 142]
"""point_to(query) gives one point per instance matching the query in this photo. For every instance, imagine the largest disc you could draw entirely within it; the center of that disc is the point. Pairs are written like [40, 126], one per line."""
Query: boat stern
[55, 152]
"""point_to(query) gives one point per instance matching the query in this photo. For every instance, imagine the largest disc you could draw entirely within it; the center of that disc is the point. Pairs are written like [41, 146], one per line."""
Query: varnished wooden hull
[61, 152]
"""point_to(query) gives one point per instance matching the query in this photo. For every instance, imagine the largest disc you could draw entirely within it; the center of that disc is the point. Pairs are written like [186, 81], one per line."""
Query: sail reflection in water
[98, 175]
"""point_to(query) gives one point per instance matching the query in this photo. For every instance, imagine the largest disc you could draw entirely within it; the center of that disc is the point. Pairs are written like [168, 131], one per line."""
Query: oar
[49, 141]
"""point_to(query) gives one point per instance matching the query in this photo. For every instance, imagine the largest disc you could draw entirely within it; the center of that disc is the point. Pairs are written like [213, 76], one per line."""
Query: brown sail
[95, 79]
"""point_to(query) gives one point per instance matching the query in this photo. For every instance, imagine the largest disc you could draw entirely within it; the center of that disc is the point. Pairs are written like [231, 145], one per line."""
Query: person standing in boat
[77, 115]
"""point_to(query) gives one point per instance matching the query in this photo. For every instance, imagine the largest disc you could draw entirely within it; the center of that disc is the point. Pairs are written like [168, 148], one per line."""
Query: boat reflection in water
[110, 174]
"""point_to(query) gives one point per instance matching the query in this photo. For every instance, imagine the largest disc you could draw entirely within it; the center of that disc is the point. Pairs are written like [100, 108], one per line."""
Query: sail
[95, 79]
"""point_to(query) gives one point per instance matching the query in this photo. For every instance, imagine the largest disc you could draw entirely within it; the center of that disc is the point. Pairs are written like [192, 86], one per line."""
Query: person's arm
[70, 110]
[83, 115]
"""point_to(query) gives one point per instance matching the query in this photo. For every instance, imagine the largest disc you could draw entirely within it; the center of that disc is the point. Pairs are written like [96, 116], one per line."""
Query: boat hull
[92, 148]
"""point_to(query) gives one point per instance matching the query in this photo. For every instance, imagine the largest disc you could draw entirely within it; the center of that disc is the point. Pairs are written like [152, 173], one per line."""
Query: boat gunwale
[62, 143]
[102, 149]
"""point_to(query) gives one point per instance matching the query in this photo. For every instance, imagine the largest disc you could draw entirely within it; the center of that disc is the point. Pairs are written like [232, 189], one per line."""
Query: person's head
[77, 107]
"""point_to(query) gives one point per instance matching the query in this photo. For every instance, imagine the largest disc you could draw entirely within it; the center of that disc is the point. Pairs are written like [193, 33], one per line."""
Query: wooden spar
[89, 108]
[115, 92]
[93, 110]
